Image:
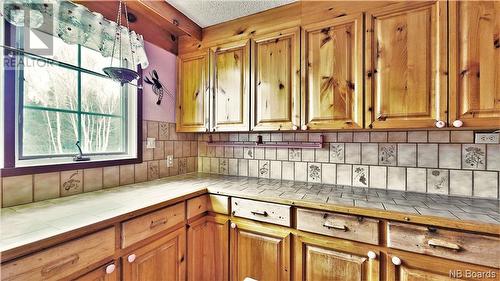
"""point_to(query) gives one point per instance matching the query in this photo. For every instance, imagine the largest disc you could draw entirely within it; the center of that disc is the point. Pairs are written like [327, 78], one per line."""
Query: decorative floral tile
[337, 152]
[248, 152]
[360, 176]
[473, 156]
[264, 169]
[71, 182]
[294, 154]
[314, 172]
[163, 131]
[387, 154]
[153, 170]
[223, 166]
[437, 181]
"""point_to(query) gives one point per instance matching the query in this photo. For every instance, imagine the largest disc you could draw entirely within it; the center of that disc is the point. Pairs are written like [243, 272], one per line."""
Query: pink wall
[165, 64]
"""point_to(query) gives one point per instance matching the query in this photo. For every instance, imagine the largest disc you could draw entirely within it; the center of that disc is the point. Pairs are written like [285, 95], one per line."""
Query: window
[64, 98]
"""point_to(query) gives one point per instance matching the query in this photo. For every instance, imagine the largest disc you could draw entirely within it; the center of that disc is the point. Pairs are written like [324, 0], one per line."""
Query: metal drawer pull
[57, 265]
[443, 244]
[260, 213]
[157, 223]
[334, 226]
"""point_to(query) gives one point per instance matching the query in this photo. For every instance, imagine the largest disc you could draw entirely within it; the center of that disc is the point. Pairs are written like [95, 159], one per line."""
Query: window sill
[26, 170]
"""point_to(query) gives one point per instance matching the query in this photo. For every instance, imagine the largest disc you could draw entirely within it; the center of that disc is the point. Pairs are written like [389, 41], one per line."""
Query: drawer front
[450, 244]
[339, 225]
[147, 225]
[60, 261]
[207, 203]
[261, 211]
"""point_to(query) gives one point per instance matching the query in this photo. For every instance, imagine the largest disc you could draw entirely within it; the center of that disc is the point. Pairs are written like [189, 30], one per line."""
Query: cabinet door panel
[475, 63]
[208, 249]
[100, 274]
[322, 258]
[231, 78]
[276, 73]
[192, 99]
[160, 260]
[261, 253]
[407, 65]
[333, 90]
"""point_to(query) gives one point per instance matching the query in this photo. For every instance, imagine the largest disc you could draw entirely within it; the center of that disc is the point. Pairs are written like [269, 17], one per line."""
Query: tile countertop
[26, 224]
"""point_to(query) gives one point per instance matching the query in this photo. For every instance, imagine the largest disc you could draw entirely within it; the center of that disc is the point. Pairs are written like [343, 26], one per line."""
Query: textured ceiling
[209, 12]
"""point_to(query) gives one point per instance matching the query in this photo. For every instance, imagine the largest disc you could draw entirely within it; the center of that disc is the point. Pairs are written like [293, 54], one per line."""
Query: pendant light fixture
[121, 74]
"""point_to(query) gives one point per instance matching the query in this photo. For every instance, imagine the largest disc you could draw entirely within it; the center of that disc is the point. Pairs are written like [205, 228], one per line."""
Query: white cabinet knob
[294, 127]
[440, 124]
[458, 123]
[372, 255]
[110, 268]
[396, 261]
[304, 127]
[131, 258]
[233, 225]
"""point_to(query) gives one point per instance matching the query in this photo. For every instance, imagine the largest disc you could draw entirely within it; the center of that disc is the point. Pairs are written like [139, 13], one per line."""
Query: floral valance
[75, 24]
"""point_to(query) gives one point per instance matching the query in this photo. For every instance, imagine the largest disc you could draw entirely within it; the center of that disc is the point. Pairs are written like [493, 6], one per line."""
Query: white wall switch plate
[487, 137]
[150, 143]
[170, 161]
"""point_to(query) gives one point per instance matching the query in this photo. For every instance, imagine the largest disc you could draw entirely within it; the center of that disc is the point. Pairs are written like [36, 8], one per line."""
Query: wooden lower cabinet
[100, 274]
[322, 258]
[163, 259]
[259, 251]
[414, 267]
[208, 249]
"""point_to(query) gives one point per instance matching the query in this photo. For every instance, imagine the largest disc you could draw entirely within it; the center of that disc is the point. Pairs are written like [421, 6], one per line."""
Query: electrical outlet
[150, 143]
[487, 137]
[170, 161]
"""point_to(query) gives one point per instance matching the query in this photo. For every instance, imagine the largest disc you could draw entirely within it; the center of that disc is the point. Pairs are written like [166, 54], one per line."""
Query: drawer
[261, 211]
[147, 225]
[60, 261]
[339, 225]
[450, 244]
[207, 202]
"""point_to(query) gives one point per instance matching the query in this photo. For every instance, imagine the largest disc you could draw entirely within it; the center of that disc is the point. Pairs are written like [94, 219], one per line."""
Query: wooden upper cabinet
[406, 61]
[260, 252]
[163, 259]
[333, 74]
[230, 66]
[475, 63]
[321, 258]
[276, 81]
[193, 93]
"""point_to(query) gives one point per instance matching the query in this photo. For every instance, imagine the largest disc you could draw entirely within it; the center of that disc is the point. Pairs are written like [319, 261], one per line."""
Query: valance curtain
[75, 24]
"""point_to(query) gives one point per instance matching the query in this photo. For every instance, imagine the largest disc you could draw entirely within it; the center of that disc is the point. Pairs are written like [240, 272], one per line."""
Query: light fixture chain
[129, 35]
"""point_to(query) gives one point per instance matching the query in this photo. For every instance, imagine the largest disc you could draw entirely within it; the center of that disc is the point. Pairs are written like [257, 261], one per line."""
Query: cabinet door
[101, 274]
[406, 60]
[230, 66]
[322, 258]
[333, 83]
[208, 249]
[276, 81]
[410, 267]
[260, 252]
[475, 63]
[162, 259]
[193, 93]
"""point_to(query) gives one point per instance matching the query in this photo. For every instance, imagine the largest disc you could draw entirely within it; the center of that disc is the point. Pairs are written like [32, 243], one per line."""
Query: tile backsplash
[439, 162]
[18, 190]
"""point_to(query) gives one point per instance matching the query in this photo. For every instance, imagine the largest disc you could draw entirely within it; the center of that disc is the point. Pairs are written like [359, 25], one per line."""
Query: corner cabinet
[230, 73]
[406, 65]
[275, 97]
[259, 252]
[332, 93]
[193, 93]
[475, 63]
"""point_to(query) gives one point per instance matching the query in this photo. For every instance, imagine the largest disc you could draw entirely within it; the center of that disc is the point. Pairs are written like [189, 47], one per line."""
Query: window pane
[93, 60]
[102, 134]
[63, 52]
[49, 133]
[49, 85]
[101, 95]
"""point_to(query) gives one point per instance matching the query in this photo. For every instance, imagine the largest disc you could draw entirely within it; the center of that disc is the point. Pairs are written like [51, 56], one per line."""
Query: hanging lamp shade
[121, 74]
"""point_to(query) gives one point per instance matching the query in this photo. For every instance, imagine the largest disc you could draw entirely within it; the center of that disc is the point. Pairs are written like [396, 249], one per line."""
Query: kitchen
[250, 140]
